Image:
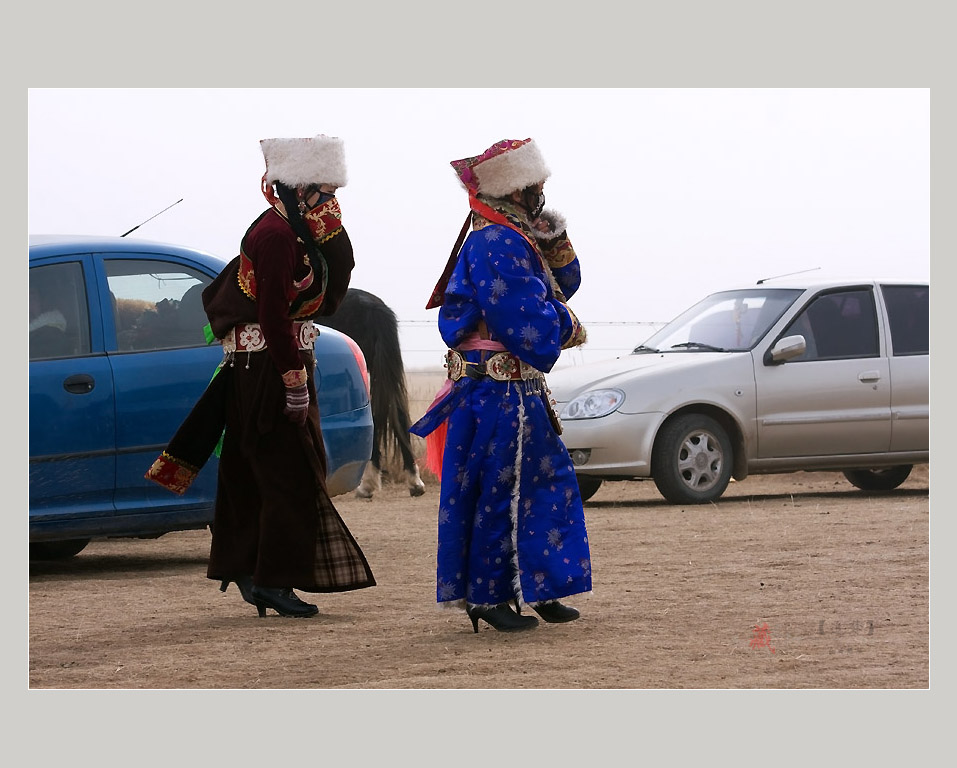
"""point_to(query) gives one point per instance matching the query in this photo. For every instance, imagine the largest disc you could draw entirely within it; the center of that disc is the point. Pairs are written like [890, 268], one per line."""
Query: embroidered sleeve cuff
[295, 378]
[173, 474]
[578, 335]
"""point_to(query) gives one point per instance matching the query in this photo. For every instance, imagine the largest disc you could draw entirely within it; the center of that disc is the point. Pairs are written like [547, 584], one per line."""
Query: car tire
[886, 479]
[57, 550]
[692, 459]
[588, 486]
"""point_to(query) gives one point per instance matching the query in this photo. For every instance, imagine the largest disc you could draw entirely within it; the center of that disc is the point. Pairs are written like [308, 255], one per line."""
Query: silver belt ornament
[501, 366]
[248, 337]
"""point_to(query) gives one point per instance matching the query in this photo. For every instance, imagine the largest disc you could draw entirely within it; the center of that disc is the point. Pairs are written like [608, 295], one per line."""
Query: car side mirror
[785, 349]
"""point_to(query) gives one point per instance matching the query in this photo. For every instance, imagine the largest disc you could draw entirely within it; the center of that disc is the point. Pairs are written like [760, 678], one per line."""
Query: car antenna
[776, 277]
[151, 218]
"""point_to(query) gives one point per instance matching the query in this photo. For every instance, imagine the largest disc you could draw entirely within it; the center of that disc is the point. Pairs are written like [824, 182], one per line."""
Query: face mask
[324, 220]
[534, 203]
[323, 197]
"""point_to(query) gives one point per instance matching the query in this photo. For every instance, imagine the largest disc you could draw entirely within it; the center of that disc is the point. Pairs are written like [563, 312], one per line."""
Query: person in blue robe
[511, 525]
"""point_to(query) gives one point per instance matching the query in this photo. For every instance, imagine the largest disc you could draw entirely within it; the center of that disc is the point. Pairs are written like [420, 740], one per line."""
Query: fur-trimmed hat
[298, 162]
[507, 166]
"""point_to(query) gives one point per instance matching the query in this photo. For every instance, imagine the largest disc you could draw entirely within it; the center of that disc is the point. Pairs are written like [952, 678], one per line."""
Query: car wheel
[886, 479]
[56, 550]
[691, 461]
[588, 486]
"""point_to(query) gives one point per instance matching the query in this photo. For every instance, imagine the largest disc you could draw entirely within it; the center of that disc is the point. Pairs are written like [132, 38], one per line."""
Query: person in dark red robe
[275, 528]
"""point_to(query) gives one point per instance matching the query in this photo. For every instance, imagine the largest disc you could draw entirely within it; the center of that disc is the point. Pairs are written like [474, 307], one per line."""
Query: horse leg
[372, 474]
[370, 483]
[400, 423]
[416, 486]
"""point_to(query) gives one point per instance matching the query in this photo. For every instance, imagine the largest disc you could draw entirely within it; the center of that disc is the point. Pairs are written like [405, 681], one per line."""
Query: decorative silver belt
[248, 337]
[502, 366]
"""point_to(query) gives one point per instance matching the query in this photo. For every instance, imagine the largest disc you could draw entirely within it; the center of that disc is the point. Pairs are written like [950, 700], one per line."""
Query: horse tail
[390, 408]
[374, 327]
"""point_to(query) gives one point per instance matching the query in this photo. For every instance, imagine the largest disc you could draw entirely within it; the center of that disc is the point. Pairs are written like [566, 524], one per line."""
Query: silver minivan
[781, 376]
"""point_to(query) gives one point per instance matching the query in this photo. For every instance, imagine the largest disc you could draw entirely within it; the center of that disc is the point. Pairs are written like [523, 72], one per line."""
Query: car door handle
[80, 384]
[869, 376]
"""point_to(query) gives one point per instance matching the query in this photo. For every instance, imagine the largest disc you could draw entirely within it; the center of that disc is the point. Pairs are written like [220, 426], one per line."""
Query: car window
[156, 304]
[842, 324]
[59, 313]
[728, 325]
[908, 309]
[730, 320]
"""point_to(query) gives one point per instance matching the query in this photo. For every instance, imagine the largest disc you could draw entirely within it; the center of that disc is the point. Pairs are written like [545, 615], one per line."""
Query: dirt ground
[792, 581]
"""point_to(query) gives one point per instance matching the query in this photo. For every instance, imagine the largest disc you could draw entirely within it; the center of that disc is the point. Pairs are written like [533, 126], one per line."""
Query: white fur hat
[297, 162]
[505, 167]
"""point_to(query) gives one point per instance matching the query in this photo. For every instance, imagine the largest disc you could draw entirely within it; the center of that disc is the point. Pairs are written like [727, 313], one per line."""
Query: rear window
[59, 315]
[908, 310]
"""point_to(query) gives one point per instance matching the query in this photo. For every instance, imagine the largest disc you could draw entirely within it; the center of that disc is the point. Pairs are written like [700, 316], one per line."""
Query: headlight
[594, 404]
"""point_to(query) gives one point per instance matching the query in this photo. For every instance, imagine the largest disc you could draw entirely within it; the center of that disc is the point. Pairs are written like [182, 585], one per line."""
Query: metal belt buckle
[308, 333]
[502, 366]
[250, 337]
[246, 337]
[455, 363]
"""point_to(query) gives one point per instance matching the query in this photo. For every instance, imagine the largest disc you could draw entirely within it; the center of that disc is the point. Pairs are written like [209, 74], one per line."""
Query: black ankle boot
[282, 600]
[500, 617]
[555, 613]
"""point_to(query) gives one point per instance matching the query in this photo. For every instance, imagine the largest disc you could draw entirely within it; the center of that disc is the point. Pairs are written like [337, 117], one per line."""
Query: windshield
[731, 321]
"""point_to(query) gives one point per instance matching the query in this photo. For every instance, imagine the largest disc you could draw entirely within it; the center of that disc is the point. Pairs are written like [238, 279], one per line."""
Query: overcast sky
[668, 193]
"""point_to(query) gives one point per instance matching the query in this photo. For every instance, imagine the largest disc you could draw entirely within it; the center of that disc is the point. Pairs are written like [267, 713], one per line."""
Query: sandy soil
[792, 581]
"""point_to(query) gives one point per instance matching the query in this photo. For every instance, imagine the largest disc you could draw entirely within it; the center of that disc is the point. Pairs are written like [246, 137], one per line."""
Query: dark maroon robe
[274, 519]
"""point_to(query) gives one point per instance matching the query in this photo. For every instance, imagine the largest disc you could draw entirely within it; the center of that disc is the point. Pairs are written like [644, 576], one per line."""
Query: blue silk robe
[511, 522]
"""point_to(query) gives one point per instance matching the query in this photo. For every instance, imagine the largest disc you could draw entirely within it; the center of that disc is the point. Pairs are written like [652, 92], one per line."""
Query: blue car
[118, 357]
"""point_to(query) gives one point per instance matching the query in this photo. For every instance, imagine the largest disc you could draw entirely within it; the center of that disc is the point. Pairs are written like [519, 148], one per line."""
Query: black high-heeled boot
[282, 600]
[555, 613]
[499, 617]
